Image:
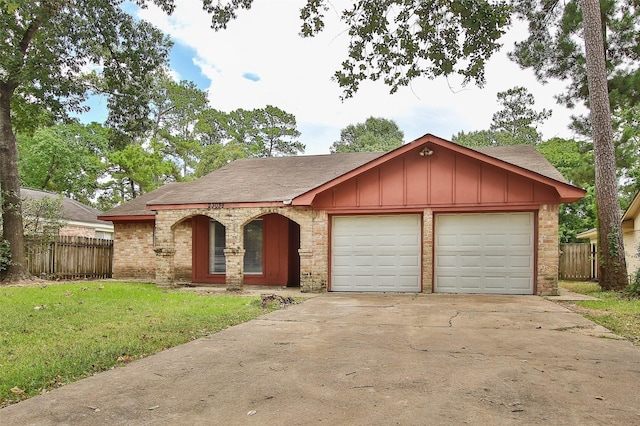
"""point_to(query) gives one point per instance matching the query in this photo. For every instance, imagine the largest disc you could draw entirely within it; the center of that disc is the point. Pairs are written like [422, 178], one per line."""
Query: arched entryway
[270, 243]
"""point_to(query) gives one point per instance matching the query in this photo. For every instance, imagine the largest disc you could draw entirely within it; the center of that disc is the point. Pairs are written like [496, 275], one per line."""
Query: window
[217, 242]
[253, 247]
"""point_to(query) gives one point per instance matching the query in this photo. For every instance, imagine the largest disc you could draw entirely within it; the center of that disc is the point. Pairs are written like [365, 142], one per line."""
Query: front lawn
[56, 334]
[612, 310]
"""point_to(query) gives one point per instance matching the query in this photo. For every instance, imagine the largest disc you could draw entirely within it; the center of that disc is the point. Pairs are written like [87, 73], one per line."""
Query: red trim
[372, 213]
[214, 205]
[134, 218]
[535, 241]
[566, 192]
[535, 250]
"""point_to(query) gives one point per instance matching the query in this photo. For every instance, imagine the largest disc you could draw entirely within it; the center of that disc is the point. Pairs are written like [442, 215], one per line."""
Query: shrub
[5, 255]
[633, 289]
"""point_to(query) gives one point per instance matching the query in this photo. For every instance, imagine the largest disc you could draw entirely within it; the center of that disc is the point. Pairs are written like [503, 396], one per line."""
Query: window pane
[217, 242]
[253, 247]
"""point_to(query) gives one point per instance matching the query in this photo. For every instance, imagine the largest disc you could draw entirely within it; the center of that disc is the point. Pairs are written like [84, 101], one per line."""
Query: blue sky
[260, 59]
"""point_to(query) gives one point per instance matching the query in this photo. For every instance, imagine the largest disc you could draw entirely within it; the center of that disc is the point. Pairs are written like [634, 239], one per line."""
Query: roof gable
[298, 180]
[523, 161]
[633, 210]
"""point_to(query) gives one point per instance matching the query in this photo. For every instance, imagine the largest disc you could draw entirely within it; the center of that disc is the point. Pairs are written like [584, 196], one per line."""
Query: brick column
[307, 279]
[548, 250]
[234, 258]
[165, 266]
[427, 251]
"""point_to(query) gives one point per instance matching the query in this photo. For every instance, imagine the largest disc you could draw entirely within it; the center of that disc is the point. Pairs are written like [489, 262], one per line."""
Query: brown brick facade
[548, 250]
[133, 256]
[170, 261]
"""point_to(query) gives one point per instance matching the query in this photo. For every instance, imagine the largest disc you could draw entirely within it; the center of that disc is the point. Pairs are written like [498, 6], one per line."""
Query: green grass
[612, 310]
[53, 335]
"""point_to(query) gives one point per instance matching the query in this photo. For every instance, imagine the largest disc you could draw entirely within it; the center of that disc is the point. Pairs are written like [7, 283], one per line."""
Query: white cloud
[295, 75]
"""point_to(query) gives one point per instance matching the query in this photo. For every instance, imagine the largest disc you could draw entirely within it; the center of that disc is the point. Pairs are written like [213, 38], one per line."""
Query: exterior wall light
[426, 152]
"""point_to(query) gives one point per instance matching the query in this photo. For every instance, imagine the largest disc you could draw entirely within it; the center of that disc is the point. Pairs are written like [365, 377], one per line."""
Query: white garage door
[484, 253]
[376, 253]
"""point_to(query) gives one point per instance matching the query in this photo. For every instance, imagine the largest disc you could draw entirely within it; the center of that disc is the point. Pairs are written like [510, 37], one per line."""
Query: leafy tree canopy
[374, 135]
[514, 124]
[517, 116]
[554, 48]
[397, 41]
[67, 159]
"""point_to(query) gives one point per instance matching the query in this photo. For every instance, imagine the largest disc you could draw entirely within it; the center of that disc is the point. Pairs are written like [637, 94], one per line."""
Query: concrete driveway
[371, 359]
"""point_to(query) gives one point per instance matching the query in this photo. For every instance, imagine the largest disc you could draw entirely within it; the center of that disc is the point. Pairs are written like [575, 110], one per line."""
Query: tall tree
[517, 116]
[375, 134]
[514, 124]
[176, 109]
[263, 132]
[613, 267]
[47, 47]
[567, 41]
[554, 48]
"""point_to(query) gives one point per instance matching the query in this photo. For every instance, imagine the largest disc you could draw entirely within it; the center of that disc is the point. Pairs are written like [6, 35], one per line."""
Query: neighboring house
[80, 220]
[630, 235]
[430, 216]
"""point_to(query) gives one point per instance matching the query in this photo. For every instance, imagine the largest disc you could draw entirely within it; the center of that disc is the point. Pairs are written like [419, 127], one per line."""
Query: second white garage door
[484, 253]
[376, 253]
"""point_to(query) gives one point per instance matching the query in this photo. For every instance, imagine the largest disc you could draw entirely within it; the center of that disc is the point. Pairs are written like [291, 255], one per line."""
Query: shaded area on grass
[615, 311]
[56, 334]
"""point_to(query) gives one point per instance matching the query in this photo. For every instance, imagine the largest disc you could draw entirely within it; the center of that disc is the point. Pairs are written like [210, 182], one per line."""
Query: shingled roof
[525, 156]
[73, 210]
[265, 179]
[278, 179]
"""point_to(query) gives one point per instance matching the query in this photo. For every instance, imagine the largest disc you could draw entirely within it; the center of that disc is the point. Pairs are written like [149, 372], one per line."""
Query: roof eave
[567, 192]
[128, 218]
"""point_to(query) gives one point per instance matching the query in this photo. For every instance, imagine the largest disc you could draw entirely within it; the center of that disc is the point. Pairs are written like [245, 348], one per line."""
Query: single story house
[80, 220]
[430, 216]
[630, 235]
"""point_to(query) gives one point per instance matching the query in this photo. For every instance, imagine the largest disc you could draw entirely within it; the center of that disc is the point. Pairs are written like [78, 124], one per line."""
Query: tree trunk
[12, 229]
[613, 266]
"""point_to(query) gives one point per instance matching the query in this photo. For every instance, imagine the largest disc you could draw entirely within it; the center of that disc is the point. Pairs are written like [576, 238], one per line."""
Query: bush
[633, 289]
[5, 255]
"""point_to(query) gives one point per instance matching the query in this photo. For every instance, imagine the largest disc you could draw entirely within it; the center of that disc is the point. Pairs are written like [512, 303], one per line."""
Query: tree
[176, 108]
[627, 136]
[517, 116]
[264, 132]
[47, 47]
[613, 267]
[514, 124]
[574, 159]
[397, 40]
[43, 217]
[134, 171]
[66, 158]
[554, 48]
[479, 138]
[374, 135]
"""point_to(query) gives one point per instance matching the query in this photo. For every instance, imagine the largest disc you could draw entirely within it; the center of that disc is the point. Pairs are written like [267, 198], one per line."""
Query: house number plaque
[216, 205]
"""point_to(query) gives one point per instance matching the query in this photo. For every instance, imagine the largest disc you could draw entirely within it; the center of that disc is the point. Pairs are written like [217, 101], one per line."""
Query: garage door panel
[469, 241]
[520, 262]
[484, 253]
[495, 261]
[386, 249]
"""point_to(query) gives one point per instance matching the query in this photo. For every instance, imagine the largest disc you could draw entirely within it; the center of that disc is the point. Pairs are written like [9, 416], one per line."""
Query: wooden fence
[577, 262]
[70, 258]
